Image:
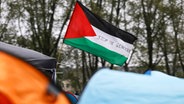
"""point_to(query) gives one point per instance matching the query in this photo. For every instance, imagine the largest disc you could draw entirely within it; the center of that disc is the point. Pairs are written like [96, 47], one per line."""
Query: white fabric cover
[117, 87]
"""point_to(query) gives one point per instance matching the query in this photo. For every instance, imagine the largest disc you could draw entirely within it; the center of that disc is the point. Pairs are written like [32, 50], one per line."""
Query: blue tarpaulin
[117, 87]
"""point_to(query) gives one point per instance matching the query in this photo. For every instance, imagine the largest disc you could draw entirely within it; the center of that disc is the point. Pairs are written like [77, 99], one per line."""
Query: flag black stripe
[107, 27]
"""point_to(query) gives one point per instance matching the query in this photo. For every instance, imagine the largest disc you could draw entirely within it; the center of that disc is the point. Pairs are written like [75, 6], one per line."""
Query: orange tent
[42, 62]
[21, 83]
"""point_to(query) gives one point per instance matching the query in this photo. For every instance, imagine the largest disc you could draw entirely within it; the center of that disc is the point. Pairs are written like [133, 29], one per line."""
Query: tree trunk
[166, 55]
[147, 20]
[83, 69]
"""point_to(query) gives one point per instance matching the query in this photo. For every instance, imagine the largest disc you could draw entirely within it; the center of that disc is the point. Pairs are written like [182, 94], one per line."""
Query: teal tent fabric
[117, 87]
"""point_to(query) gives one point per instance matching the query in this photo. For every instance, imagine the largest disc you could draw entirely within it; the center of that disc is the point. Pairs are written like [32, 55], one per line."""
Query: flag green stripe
[93, 48]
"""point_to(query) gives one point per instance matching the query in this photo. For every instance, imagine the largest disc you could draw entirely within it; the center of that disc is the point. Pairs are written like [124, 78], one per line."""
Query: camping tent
[22, 83]
[39, 60]
[117, 87]
[35, 58]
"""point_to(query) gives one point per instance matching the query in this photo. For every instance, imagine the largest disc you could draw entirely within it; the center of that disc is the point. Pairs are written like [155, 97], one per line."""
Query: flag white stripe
[110, 42]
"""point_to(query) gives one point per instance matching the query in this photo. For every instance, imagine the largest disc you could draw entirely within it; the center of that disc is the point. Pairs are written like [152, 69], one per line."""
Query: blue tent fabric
[72, 97]
[147, 72]
[117, 87]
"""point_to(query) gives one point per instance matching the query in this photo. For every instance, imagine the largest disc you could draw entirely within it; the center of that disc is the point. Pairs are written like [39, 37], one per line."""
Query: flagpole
[130, 56]
[125, 67]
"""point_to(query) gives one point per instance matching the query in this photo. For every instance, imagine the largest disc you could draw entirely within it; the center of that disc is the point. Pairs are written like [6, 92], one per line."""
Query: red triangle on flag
[79, 25]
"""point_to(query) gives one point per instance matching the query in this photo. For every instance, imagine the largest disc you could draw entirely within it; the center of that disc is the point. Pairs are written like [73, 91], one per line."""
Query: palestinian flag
[92, 34]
